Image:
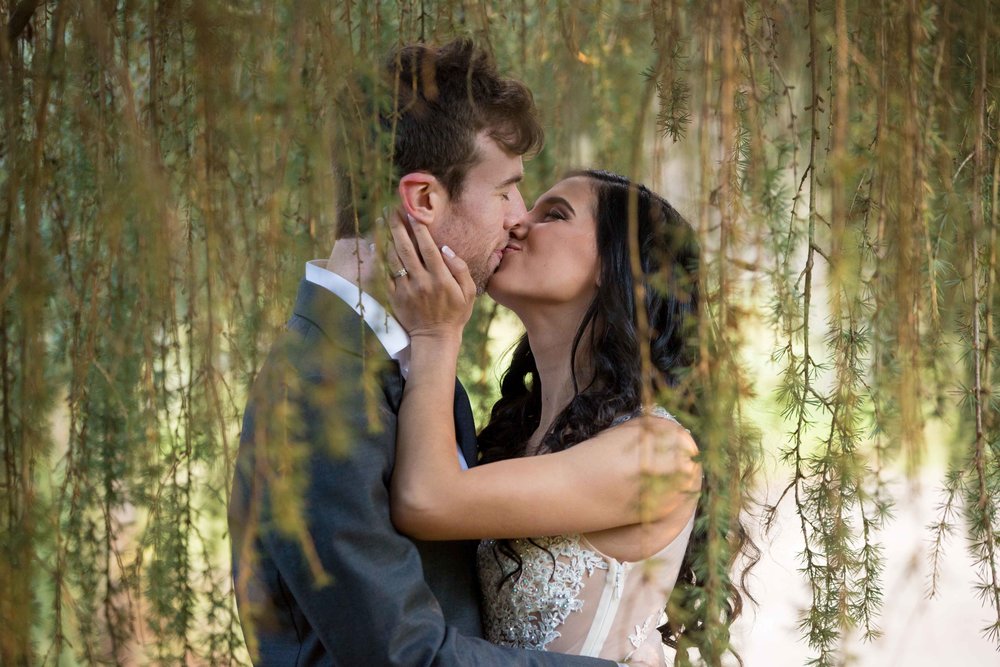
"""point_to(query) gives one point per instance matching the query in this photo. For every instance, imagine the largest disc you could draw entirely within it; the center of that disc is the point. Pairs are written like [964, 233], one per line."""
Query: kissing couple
[557, 534]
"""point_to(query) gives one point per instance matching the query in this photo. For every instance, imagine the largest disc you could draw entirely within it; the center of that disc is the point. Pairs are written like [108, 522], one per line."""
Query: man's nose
[515, 210]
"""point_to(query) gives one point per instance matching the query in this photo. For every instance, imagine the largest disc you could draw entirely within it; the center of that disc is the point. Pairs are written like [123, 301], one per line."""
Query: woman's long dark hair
[668, 258]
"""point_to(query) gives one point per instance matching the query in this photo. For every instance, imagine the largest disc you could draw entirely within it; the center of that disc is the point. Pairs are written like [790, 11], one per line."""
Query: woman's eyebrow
[555, 199]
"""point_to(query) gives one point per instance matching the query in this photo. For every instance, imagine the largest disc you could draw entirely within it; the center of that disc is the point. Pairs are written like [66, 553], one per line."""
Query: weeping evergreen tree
[166, 166]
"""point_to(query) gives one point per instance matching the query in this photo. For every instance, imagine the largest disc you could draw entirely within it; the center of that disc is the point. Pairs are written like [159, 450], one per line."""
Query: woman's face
[552, 255]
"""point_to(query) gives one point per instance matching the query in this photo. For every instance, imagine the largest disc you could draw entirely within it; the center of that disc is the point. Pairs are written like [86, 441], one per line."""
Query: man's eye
[505, 196]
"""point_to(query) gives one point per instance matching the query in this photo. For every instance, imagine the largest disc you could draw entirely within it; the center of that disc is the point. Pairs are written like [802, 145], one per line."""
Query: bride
[577, 454]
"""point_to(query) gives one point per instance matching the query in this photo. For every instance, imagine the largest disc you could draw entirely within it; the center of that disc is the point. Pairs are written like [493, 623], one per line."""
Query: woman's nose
[519, 226]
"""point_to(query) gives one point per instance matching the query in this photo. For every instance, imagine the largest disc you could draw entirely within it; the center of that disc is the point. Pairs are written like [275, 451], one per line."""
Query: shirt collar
[387, 329]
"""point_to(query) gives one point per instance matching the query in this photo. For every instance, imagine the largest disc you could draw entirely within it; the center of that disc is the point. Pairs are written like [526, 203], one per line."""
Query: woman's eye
[555, 214]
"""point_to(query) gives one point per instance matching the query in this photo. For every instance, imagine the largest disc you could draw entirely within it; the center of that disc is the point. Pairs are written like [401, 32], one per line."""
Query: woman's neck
[551, 343]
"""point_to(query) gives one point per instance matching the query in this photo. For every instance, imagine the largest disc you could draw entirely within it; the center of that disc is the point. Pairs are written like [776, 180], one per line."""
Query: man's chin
[481, 282]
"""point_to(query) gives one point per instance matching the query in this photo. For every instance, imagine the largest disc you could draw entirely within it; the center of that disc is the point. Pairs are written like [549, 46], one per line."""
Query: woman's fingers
[430, 293]
[394, 264]
[406, 253]
[428, 248]
[424, 256]
[424, 264]
[443, 262]
[460, 270]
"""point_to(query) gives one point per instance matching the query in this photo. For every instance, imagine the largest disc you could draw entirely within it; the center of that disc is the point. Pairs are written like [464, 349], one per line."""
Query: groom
[343, 587]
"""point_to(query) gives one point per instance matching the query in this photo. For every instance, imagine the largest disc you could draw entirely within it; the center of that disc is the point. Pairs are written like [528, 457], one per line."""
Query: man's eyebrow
[516, 178]
[555, 199]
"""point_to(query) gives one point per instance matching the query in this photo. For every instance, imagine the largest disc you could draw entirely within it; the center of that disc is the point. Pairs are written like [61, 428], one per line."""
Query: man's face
[475, 224]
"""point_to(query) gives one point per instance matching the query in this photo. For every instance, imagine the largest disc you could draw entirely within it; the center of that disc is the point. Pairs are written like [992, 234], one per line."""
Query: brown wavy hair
[432, 101]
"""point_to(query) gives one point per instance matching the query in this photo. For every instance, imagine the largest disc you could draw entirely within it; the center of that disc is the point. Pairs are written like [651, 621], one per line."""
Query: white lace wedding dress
[571, 598]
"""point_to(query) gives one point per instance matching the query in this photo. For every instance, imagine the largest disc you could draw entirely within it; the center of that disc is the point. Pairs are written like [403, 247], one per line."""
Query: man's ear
[422, 196]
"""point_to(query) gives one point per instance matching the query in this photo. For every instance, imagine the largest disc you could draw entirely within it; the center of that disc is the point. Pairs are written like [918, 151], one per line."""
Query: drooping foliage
[166, 167]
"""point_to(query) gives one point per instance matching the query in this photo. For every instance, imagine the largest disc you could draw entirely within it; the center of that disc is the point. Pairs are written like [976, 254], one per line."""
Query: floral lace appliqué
[527, 612]
[641, 632]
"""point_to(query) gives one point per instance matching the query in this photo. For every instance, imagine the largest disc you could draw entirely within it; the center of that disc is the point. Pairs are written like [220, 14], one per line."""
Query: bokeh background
[167, 167]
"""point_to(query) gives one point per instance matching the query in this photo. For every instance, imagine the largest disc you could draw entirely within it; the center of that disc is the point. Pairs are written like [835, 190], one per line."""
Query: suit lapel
[345, 329]
[335, 318]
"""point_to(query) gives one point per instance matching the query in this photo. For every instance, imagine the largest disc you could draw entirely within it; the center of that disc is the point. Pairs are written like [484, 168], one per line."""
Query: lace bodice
[571, 598]
[528, 611]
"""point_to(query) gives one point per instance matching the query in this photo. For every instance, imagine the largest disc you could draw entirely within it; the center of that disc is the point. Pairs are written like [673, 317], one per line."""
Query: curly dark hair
[668, 260]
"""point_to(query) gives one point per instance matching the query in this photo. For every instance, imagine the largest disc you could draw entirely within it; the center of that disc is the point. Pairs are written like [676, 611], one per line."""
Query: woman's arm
[639, 471]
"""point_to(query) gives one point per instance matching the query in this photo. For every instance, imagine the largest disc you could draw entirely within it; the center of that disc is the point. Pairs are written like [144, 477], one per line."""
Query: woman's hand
[430, 290]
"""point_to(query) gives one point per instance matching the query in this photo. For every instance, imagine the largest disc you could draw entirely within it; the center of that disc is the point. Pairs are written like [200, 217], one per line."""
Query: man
[345, 588]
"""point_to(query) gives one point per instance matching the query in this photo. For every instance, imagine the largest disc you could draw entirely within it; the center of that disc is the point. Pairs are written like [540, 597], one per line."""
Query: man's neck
[353, 259]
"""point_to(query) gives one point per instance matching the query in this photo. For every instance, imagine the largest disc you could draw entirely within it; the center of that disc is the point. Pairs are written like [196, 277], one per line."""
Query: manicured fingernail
[371, 247]
[409, 218]
[447, 252]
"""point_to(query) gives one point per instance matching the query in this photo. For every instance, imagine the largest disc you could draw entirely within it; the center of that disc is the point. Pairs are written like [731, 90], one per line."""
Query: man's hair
[439, 99]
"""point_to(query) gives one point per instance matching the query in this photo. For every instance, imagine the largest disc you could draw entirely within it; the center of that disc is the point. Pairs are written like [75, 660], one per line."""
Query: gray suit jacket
[389, 600]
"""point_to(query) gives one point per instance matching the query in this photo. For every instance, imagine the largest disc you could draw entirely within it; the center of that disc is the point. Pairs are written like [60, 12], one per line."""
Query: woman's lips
[510, 247]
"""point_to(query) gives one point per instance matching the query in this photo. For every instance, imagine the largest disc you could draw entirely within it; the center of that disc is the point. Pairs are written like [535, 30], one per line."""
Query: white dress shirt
[387, 329]
[389, 332]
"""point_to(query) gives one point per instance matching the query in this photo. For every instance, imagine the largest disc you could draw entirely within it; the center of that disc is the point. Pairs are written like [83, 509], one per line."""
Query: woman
[577, 449]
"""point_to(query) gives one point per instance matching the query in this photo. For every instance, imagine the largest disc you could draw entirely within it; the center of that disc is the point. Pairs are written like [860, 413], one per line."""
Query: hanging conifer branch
[982, 510]
[166, 168]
